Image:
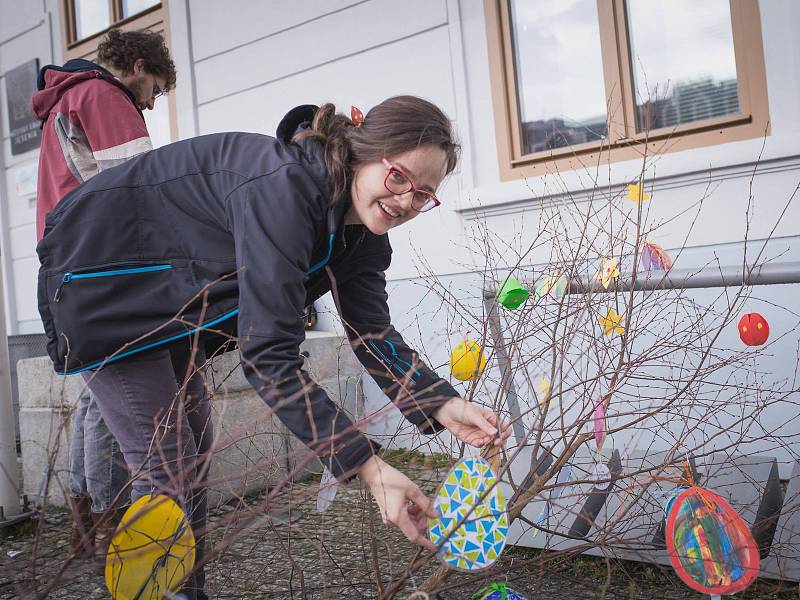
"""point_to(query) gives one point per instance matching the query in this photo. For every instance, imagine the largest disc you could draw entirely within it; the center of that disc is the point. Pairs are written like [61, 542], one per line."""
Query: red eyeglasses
[397, 182]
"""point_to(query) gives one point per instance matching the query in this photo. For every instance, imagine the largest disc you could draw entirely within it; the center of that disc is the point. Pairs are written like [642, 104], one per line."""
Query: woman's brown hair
[394, 126]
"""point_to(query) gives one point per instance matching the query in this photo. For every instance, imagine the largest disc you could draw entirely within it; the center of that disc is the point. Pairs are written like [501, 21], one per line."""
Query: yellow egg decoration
[152, 551]
[467, 360]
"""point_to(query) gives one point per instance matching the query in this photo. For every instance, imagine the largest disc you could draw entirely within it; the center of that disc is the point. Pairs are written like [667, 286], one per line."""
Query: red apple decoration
[753, 329]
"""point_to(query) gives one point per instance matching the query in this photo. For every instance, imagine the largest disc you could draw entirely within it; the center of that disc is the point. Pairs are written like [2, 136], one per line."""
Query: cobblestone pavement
[330, 555]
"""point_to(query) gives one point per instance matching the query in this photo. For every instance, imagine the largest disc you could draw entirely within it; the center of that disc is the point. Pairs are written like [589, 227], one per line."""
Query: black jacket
[228, 232]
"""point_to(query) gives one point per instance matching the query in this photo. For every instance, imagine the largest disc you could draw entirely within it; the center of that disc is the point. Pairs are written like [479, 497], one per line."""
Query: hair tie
[356, 116]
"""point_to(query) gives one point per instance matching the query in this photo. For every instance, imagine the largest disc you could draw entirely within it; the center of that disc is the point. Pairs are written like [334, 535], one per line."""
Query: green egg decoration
[512, 295]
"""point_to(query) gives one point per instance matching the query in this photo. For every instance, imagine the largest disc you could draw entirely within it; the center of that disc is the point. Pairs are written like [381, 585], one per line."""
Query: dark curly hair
[121, 49]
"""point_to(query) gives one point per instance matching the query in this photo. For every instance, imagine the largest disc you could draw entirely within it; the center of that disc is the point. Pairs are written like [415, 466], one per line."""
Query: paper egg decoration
[710, 547]
[512, 295]
[152, 551]
[753, 329]
[471, 525]
[669, 501]
[467, 360]
[554, 286]
[499, 591]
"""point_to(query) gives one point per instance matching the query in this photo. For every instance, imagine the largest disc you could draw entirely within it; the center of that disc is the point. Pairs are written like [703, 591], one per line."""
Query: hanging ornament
[498, 591]
[753, 329]
[152, 551]
[554, 286]
[328, 486]
[611, 322]
[471, 523]
[512, 295]
[654, 258]
[608, 271]
[636, 193]
[710, 547]
[467, 360]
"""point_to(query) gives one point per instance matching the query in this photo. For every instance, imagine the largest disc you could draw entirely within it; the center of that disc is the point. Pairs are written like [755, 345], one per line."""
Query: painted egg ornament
[471, 525]
[710, 547]
[753, 329]
[669, 501]
[499, 591]
[512, 295]
[467, 360]
[152, 551]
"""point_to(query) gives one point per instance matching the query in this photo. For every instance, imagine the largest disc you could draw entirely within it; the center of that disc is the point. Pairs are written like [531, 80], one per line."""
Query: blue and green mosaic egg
[471, 525]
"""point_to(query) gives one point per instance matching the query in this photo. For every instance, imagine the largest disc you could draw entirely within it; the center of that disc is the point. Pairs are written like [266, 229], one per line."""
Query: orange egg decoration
[753, 329]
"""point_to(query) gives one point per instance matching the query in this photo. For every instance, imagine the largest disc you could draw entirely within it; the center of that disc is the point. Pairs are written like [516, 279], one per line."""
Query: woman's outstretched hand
[473, 424]
[402, 503]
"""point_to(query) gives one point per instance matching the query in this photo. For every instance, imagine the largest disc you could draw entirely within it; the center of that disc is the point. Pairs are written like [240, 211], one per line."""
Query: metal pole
[506, 374]
[684, 279]
[9, 480]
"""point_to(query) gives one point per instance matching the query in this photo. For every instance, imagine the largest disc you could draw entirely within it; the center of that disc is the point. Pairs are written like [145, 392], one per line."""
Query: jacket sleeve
[115, 130]
[408, 382]
[275, 220]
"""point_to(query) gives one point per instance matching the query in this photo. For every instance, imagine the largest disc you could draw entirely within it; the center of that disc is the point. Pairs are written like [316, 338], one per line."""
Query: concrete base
[253, 448]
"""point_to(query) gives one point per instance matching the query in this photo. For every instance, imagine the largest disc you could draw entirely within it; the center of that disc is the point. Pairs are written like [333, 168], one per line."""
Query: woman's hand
[472, 424]
[393, 491]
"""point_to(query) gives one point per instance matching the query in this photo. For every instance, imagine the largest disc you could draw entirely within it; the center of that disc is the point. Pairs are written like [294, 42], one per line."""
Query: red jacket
[90, 122]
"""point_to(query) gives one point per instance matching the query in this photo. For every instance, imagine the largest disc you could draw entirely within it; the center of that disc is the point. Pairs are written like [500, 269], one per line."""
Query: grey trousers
[162, 422]
[96, 464]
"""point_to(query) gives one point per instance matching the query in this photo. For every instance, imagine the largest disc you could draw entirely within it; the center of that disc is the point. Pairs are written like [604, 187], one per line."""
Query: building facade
[537, 90]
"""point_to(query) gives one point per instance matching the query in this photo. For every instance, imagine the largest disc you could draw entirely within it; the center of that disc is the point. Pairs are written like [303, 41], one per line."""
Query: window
[87, 19]
[575, 78]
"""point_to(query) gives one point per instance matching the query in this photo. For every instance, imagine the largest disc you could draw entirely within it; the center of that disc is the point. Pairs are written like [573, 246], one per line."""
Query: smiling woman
[236, 234]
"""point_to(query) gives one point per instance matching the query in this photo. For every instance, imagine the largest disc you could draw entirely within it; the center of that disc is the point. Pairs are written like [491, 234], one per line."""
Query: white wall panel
[25, 272]
[348, 32]
[219, 26]
[21, 210]
[18, 16]
[365, 79]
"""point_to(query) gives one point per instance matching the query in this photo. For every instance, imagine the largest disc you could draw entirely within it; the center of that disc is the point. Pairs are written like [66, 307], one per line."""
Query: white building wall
[243, 63]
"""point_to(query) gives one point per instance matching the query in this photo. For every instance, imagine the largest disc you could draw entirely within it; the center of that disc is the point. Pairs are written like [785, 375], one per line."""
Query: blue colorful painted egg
[499, 591]
[472, 523]
[710, 547]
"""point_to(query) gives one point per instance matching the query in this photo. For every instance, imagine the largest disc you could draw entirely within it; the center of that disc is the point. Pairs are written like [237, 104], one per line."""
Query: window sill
[690, 164]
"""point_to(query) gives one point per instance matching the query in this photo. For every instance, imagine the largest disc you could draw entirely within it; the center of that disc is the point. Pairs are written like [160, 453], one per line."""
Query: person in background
[92, 120]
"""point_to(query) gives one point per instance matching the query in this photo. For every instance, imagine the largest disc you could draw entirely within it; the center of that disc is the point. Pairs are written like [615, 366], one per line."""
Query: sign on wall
[24, 128]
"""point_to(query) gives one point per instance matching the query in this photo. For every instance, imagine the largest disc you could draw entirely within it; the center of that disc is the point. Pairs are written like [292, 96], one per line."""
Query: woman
[239, 232]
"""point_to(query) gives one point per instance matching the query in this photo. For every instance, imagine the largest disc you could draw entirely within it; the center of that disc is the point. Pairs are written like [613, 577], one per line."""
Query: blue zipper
[69, 276]
[178, 336]
[324, 262]
[398, 363]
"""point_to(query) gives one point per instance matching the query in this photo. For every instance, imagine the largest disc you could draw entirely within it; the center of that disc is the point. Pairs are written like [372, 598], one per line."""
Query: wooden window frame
[624, 142]
[155, 18]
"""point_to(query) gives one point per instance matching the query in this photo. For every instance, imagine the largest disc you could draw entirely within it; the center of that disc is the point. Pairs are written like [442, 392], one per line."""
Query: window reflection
[559, 72]
[91, 16]
[683, 63]
[131, 7]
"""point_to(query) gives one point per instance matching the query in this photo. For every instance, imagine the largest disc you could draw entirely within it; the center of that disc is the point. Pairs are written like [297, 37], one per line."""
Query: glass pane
[562, 98]
[131, 7]
[684, 67]
[157, 121]
[91, 16]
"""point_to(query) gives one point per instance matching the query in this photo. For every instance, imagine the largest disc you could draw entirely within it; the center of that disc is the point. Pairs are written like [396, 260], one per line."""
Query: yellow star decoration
[608, 271]
[611, 322]
[636, 193]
